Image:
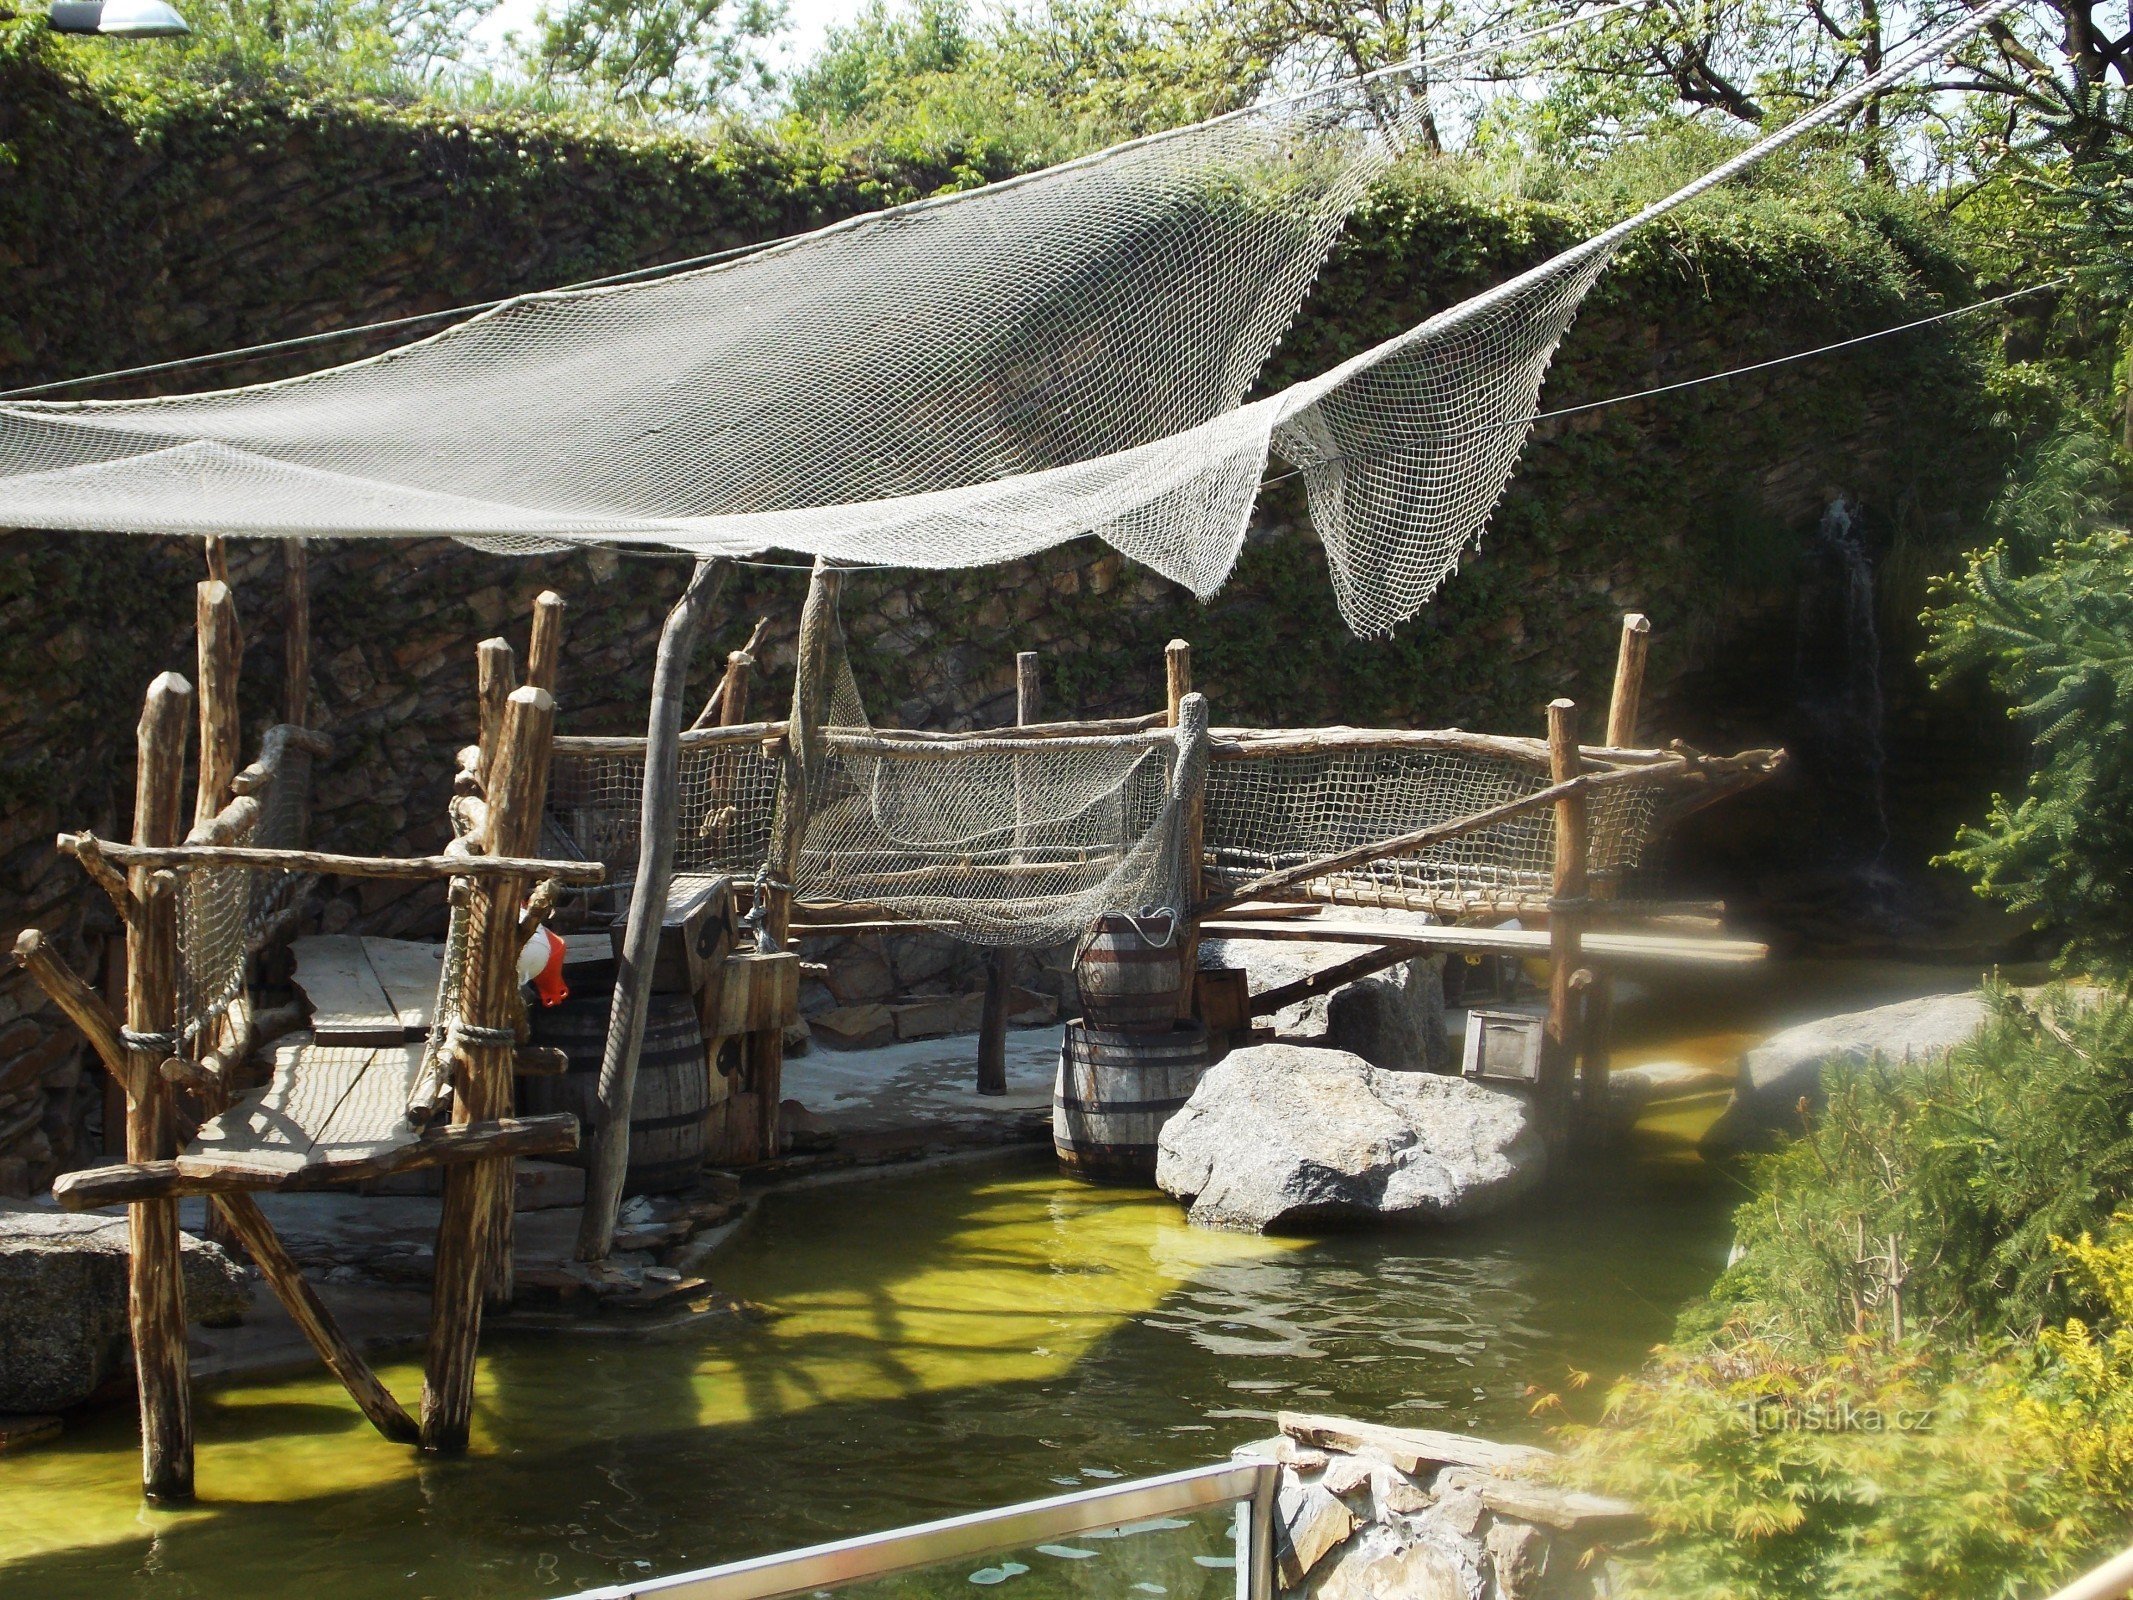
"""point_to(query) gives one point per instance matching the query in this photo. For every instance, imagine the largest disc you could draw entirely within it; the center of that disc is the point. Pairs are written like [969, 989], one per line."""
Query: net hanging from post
[957, 382]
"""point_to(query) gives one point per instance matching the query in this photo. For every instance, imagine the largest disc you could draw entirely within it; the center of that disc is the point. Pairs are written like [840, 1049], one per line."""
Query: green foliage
[682, 57]
[1909, 1383]
[872, 60]
[2046, 613]
[1923, 1202]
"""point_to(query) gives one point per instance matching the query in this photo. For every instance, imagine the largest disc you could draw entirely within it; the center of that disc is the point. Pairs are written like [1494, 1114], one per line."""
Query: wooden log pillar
[1624, 704]
[296, 633]
[495, 676]
[1000, 963]
[1566, 917]
[1177, 673]
[660, 817]
[215, 619]
[489, 1013]
[763, 1050]
[544, 651]
[219, 652]
[155, 1280]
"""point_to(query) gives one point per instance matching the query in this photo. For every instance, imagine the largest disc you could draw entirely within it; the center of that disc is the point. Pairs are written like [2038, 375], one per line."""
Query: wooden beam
[632, 744]
[1329, 979]
[219, 655]
[155, 1279]
[1000, 963]
[659, 821]
[1177, 663]
[1627, 700]
[82, 1005]
[88, 1188]
[415, 867]
[810, 705]
[310, 1315]
[466, 1229]
[544, 650]
[1565, 920]
[728, 705]
[217, 550]
[296, 633]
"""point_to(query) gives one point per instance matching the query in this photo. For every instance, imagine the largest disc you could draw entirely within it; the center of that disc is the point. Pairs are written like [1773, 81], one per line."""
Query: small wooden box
[1222, 999]
[1504, 1046]
[694, 935]
[751, 993]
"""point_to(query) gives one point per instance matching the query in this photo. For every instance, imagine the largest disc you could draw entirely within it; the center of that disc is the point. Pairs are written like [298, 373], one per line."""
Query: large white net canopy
[946, 384]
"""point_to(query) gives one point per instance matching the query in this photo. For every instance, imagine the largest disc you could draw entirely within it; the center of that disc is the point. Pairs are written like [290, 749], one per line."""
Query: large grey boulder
[1787, 1067]
[1283, 1137]
[63, 1329]
[1393, 1019]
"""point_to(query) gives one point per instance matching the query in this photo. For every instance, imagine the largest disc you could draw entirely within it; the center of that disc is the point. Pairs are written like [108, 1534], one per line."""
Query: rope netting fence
[227, 914]
[1269, 811]
[1022, 838]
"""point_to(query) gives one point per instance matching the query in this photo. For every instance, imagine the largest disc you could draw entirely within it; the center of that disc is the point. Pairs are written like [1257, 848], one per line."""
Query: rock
[1393, 1019]
[1346, 1474]
[1283, 1451]
[802, 1130]
[1384, 1566]
[1518, 1556]
[1280, 1136]
[63, 1332]
[1313, 1521]
[20, 1433]
[854, 1027]
[797, 1038]
[1788, 1067]
[1409, 1449]
[1592, 1517]
[1630, 1090]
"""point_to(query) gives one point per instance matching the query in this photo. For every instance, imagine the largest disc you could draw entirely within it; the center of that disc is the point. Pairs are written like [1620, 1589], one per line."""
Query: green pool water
[932, 1343]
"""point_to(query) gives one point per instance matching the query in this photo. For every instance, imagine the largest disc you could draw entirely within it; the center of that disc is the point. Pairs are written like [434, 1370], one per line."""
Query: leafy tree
[670, 57]
[867, 63]
[2047, 614]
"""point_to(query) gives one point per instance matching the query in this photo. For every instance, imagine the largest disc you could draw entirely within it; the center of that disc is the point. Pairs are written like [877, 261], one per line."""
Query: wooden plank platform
[1390, 928]
[325, 1106]
[373, 992]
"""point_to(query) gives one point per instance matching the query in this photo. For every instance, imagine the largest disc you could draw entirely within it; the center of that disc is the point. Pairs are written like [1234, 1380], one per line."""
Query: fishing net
[945, 384]
[1266, 812]
[225, 915]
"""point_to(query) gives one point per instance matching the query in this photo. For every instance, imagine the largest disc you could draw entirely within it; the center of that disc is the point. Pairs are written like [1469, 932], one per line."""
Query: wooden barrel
[1116, 1088]
[673, 1091]
[1126, 982]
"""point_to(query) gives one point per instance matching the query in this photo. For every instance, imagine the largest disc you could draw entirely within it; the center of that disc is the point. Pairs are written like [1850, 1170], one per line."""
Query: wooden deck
[325, 1106]
[368, 991]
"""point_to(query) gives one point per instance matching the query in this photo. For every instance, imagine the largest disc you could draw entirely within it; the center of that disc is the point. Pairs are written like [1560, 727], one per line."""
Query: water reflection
[934, 1343]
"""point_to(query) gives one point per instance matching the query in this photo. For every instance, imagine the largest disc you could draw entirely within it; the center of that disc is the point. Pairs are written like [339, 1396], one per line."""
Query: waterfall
[1838, 701]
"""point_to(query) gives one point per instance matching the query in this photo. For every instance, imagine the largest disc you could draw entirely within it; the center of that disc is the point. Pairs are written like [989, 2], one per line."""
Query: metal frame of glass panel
[1247, 1485]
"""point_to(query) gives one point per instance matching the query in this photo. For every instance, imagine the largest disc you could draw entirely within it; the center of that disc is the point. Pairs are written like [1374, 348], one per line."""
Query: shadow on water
[935, 1343]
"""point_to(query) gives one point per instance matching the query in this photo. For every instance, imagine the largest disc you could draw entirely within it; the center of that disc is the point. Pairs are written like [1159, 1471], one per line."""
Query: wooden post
[215, 617]
[1177, 665]
[217, 550]
[1566, 917]
[544, 652]
[296, 633]
[659, 819]
[155, 1279]
[733, 696]
[495, 676]
[219, 650]
[488, 1009]
[1628, 697]
[803, 735]
[728, 705]
[1623, 706]
[1000, 963]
